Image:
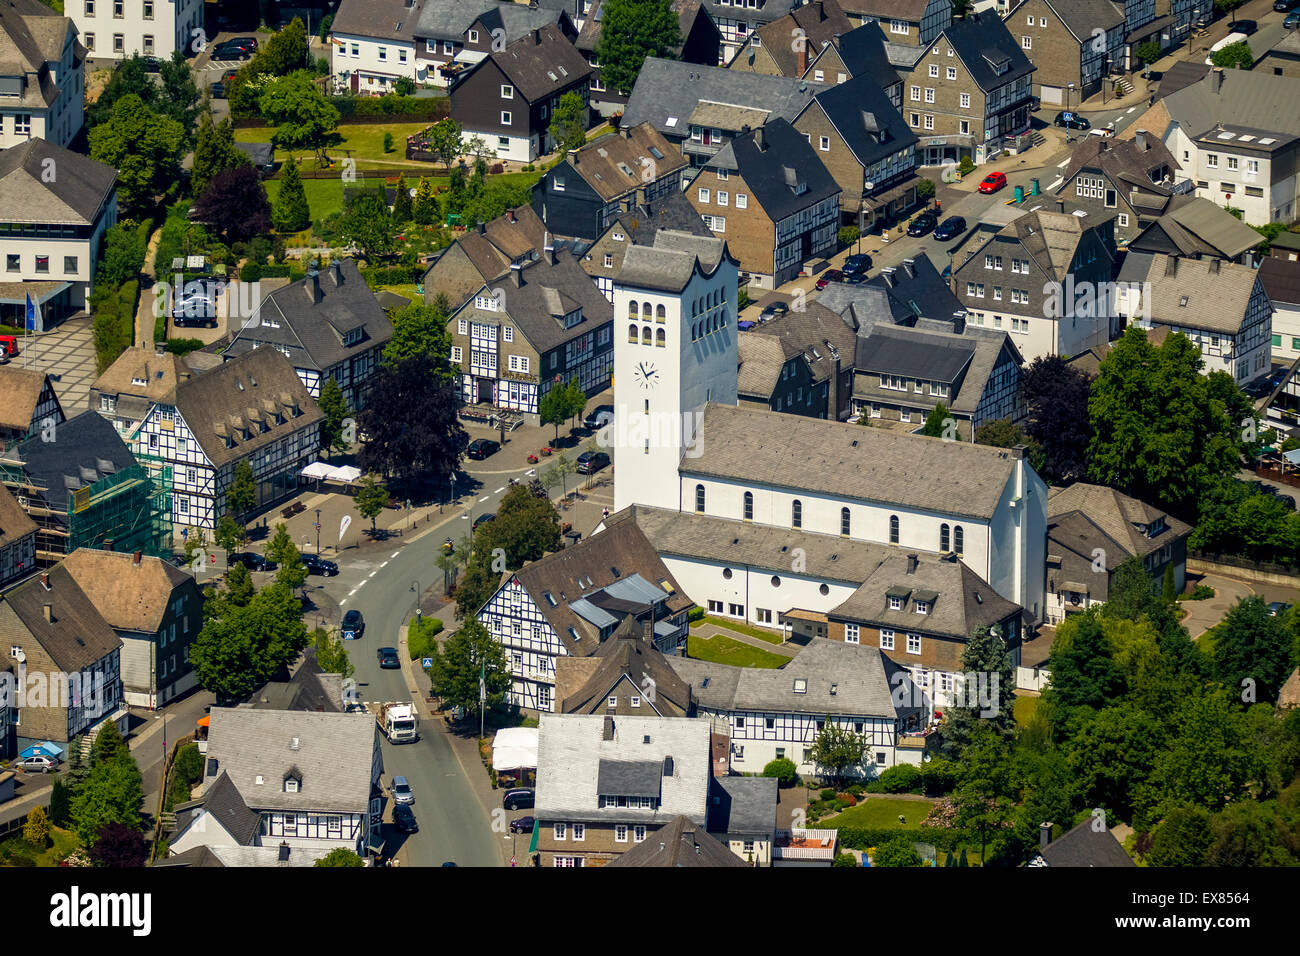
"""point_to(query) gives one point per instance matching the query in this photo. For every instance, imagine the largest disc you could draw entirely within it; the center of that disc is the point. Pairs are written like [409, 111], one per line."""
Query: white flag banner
[343, 527]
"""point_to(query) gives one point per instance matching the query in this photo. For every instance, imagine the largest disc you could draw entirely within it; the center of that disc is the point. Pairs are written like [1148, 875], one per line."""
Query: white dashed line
[1062, 164]
[485, 497]
[1129, 110]
[385, 564]
[1056, 182]
[343, 602]
[530, 472]
[372, 574]
[499, 490]
[354, 590]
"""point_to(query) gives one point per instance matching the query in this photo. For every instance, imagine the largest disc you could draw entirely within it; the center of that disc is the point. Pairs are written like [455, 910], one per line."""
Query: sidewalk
[1203, 615]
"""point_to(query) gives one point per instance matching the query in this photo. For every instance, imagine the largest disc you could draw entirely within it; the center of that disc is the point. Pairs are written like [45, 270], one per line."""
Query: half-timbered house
[17, 540]
[626, 675]
[483, 253]
[638, 226]
[27, 403]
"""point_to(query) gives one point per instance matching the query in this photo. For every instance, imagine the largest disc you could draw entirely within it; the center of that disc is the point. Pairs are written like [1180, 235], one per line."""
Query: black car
[1275, 609]
[483, 519]
[232, 51]
[922, 224]
[590, 462]
[152, 64]
[253, 561]
[1072, 121]
[318, 565]
[1248, 27]
[950, 228]
[857, 264]
[600, 416]
[523, 825]
[774, 309]
[388, 659]
[354, 625]
[519, 798]
[1283, 6]
[218, 90]
[481, 448]
[404, 819]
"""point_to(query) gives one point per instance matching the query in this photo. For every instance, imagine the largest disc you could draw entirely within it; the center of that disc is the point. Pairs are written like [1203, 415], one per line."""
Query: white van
[1229, 40]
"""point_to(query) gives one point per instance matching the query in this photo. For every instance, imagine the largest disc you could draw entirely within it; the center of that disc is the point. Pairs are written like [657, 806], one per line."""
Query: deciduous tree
[214, 152]
[460, 661]
[411, 421]
[303, 117]
[234, 205]
[632, 30]
[145, 149]
[371, 499]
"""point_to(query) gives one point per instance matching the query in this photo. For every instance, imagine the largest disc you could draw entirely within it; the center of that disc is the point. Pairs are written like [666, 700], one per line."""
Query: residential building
[679, 843]
[1281, 281]
[453, 35]
[28, 404]
[785, 47]
[742, 816]
[1073, 44]
[1045, 278]
[568, 603]
[607, 784]
[1196, 228]
[1237, 136]
[42, 80]
[786, 207]
[309, 688]
[906, 22]
[1082, 518]
[1285, 246]
[482, 253]
[701, 42]
[866, 146]
[547, 322]
[626, 674]
[902, 374]
[777, 714]
[508, 97]
[1221, 306]
[252, 408]
[701, 108]
[912, 293]
[1181, 74]
[83, 487]
[17, 547]
[308, 781]
[155, 608]
[54, 225]
[58, 642]
[139, 380]
[801, 362]
[638, 226]
[921, 611]
[328, 325]
[117, 29]
[862, 51]
[583, 193]
[738, 19]
[1129, 180]
[1283, 58]
[1085, 845]
[969, 95]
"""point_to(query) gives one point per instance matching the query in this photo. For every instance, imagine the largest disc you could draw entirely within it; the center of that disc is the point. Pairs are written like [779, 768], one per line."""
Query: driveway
[67, 355]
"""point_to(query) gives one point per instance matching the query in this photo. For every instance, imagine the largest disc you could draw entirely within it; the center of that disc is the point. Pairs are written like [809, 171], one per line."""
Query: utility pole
[482, 695]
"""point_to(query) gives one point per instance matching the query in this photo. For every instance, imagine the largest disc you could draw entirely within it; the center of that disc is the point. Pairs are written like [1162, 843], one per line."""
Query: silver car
[402, 792]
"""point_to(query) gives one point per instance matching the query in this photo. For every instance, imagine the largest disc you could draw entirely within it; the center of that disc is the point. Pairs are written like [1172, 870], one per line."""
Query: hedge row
[357, 108]
[282, 270]
[114, 325]
[391, 275]
[861, 838]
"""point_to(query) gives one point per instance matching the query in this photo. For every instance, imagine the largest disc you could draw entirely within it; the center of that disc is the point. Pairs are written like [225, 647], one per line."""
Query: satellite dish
[869, 186]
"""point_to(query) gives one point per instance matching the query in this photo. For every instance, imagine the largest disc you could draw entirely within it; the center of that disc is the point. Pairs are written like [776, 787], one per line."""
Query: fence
[168, 767]
[1235, 566]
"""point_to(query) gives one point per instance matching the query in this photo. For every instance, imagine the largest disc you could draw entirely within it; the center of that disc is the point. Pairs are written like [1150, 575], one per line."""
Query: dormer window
[800, 685]
[895, 603]
[922, 607]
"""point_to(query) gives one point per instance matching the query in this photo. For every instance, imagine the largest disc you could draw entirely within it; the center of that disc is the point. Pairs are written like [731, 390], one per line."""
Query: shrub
[695, 614]
[902, 778]
[388, 142]
[783, 770]
[114, 325]
[844, 859]
[966, 166]
[828, 793]
[742, 299]
[1201, 592]
[184, 346]
[938, 777]
[250, 272]
[925, 190]
[856, 791]
[421, 639]
[848, 235]
[189, 763]
[861, 838]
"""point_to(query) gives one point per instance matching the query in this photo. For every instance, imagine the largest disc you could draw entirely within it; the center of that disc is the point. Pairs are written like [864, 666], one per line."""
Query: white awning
[317, 469]
[515, 748]
[343, 473]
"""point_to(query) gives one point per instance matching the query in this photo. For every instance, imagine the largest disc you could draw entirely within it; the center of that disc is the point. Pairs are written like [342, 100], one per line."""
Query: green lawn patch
[15, 851]
[771, 637]
[723, 650]
[1024, 708]
[873, 811]
[364, 142]
[324, 196]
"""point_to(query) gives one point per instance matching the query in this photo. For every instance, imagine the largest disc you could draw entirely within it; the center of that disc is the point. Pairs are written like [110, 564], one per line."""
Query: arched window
[699, 499]
[893, 529]
[943, 538]
[661, 338]
[661, 314]
[645, 335]
[645, 311]
[796, 514]
[749, 506]
[958, 539]
[844, 521]
[632, 333]
[631, 309]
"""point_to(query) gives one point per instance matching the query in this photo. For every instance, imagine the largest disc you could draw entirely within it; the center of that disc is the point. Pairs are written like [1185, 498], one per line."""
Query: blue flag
[32, 315]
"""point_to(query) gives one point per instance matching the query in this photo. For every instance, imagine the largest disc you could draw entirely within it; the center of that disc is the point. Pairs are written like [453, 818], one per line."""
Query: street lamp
[419, 618]
[318, 531]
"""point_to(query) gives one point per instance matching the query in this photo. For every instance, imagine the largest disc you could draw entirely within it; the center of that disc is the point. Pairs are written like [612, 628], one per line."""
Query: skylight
[656, 152]
[1245, 137]
[1226, 135]
[1267, 141]
[552, 75]
[671, 121]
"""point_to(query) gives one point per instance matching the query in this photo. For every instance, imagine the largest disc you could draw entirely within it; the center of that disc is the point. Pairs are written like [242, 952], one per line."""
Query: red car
[993, 182]
[831, 275]
[8, 345]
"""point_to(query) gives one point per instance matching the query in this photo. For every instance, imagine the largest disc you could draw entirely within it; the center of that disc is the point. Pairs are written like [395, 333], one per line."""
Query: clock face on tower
[646, 374]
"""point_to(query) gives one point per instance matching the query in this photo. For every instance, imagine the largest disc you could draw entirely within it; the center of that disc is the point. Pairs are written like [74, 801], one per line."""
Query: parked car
[388, 659]
[250, 42]
[318, 565]
[993, 182]
[950, 228]
[9, 345]
[1292, 21]
[829, 276]
[1104, 132]
[481, 448]
[42, 764]
[523, 825]
[590, 462]
[1277, 608]
[600, 416]
[744, 325]
[218, 90]
[404, 819]
[402, 792]
[773, 310]
[1282, 6]
[922, 224]
[857, 264]
[253, 561]
[1071, 121]
[152, 64]
[231, 51]
[1248, 27]
[354, 625]
[483, 519]
[520, 798]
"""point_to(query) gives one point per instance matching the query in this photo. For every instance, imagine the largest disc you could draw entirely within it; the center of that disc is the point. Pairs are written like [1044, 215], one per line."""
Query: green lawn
[63, 842]
[873, 811]
[723, 650]
[324, 196]
[364, 142]
[1025, 707]
[772, 637]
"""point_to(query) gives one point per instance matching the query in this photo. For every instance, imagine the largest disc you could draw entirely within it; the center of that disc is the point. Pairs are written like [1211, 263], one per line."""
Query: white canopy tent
[515, 748]
[341, 473]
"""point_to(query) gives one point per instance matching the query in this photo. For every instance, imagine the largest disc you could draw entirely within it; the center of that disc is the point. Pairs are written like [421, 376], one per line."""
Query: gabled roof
[87, 449]
[130, 596]
[1124, 163]
[15, 523]
[381, 19]
[743, 806]
[687, 11]
[864, 50]
[1182, 74]
[539, 64]
[32, 35]
[449, 19]
[1205, 294]
[74, 197]
[149, 375]
[77, 635]
[780, 167]
[1082, 17]
[911, 10]
[223, 801]
[1259, 101]
[312, 316]
[673, 212]
[866, 120]
[817, 333]
[989, 51]
[1084, 846]
[309, 688]
[679, 843]
[617, 163]
[672, 260]
[1119, 516]
[582, 684]
[1281, 278]
[1197, 226]
[20, 393]
[818, 21]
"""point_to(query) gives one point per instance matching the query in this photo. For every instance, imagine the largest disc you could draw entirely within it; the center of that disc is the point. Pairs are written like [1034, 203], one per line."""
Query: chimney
[1214, 267]
[1060, 206]
[641, 196]
[1044, 834]
[608, 731]
[1171, 266]
[516, 275]
[625, 131]
[912, 561]
[336, 273]
[482, 228]
[312, 285]
[45, 581]
[511, 214]
[136, 558]
[668, 766]
[758, 138]
[802, 68]
[1018, 452]
[537, 37]
[284, 846]
[1141, 138]
[648, 629]
[49, 612]
[1216, 79]
[573, 157]
[959, 322]
[549, 253]
[888, 275]
[909, 266]
[1103, 145]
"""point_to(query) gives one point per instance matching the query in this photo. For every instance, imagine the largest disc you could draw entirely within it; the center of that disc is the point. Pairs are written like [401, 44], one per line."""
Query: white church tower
[674, 350]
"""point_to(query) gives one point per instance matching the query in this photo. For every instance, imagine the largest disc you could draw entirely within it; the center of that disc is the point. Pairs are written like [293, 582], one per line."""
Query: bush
[283, 270]
[114, 325]
[925, 190]
[184, 346]
[828, 794]
[377, 276]
[903, 778]
[938, 777]
[783, 770]
[250, 272]
[844, 859]
[388, 142]
[425, 108]
[421, 639]
[862, 838]
[695, 614]
[848, 235]
[1201, 592]
[189, 763]
[966, 166]
[742, 299]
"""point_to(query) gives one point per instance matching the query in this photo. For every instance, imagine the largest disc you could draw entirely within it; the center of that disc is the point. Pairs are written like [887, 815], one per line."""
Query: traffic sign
[426, 662]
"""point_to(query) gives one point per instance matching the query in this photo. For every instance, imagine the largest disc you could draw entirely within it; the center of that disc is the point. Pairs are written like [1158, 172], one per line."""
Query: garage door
[1051, 95]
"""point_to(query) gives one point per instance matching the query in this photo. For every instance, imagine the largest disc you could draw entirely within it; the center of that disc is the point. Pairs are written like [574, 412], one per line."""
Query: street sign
[426, 662]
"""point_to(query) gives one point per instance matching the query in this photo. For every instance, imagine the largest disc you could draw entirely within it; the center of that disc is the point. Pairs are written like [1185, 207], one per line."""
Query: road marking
[464, 517]
[497, 492]
[393, 555]
[354, 590]
[372, 574]
[485, 497]
[1056, 182]
[343, 602]
[530, 472]
[385, 564]
[1062, 164]
[1129, 110]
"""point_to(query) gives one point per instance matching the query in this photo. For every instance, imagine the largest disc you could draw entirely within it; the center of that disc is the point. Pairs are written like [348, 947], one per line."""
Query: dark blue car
[950, 228]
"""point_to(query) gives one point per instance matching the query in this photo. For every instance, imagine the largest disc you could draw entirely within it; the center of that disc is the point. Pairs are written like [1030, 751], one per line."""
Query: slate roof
[866, 120]
[980, 40]
[1084, 846]
[31, 36]
[259, 154]
[539, 64]
[780, 167]
[1189, 292]
[1125, 165]
[848, 461]
[256, 387]
[911, 10]
[75, 197]
[130, 596]
[964, 361]
[899, 294]
[1281, 278]
[161, 374]
[842, 679]
[817, 333]
[1197, 226]
[614, 164]
[572, 754]
[743, 806]
[87, 448]
[15, 523]
[672, 260]
[686, 10]
[820, 20]
[671, 89]
[221, 799]
[381, 19]
[449, 19]
[582, 684]
[20, 393]
[864, 50]
[515, 235]
[673, 212]
[1117, 515]
[771, 10]
[77, 636]
[311, 317]
[679, 843]
[1182, 74]
[333, 757]
[1259, 101]
[1081, 17]
[309, 688]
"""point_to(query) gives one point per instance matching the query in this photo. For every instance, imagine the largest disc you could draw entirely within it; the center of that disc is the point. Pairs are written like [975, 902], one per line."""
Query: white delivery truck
[399, 723]
[1229, 40]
